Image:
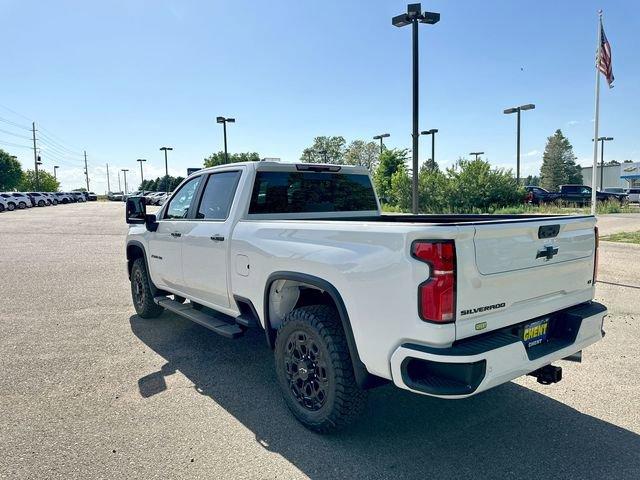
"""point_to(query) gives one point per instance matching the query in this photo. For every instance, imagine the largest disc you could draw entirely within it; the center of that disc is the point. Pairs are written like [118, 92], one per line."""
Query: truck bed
[451, 219]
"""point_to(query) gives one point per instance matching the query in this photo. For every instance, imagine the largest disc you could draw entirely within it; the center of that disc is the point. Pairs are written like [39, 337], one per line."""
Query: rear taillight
[437, 294]
[595, 256]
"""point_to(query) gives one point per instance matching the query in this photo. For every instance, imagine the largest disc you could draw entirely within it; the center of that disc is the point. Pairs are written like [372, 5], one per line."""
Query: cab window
[179, 205]
[217, 196]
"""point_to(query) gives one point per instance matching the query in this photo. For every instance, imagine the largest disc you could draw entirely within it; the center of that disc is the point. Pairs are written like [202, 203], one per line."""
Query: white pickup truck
[349, 298]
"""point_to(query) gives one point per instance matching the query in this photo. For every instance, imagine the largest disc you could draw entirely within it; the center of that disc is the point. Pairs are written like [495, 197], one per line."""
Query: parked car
[581, 195]
[117, 196]
[79, 196]
[4, 204]
[163, 198]
[38, 199]
[538, 195]
[23, 201]
[63, 197]
[11, 201]
[633, 194]
[52, 197]
[92, 197]
[614, 190]
[153, 197]
[349, 298]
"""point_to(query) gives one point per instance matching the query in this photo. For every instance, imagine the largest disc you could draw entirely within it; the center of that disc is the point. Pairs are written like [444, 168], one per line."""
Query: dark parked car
[581, 195]
[537, 195]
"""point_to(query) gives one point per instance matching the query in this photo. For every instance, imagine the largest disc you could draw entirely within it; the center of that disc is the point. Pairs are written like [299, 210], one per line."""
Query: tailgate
[522, 270]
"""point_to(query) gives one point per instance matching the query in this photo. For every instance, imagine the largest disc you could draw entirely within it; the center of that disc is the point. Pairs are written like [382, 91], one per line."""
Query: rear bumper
[479, 363]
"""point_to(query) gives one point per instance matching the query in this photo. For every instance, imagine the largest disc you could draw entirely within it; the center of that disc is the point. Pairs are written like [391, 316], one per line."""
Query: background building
[624, 175]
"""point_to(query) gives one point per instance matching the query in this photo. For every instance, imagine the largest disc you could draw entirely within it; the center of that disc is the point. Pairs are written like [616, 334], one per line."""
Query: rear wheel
[314, 370]
[141, 291]
[11, 206]
[22, 205]
[41, 203]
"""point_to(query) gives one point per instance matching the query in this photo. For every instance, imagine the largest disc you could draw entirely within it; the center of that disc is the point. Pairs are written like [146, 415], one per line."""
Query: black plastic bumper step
[218, 322]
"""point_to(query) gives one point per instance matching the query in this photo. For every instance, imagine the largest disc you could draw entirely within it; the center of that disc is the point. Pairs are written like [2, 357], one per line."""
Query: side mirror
[136, 211]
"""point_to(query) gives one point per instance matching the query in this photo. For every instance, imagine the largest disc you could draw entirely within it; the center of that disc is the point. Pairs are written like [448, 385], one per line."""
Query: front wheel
[314, 370]
[11, 206]
[22, 205]
[141, 291]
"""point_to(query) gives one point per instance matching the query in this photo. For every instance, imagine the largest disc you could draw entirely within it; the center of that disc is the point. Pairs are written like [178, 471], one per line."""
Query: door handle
[217, 238]
[176, 234]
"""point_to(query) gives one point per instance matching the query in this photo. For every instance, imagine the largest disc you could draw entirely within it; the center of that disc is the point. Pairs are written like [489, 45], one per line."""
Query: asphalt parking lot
[90, 390]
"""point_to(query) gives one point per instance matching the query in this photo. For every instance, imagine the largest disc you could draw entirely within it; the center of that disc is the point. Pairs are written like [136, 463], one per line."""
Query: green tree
[160, 184]
[10, 171]
[46, 182]
[559, 163]
[360, 152]
[532, 180]
[400, 191]
[430, 164]
[334, 146]
[219, 158]
[390, 162]
[475, 187]
[433, 190]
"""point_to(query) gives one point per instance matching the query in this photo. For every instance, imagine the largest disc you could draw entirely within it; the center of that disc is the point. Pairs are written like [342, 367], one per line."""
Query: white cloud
[573, 122]
[532, 153]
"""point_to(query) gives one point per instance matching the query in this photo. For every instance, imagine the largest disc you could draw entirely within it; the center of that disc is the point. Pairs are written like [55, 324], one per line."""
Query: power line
[56, 139]
[46, 138]
[14, 124]
[15, 113]
[16, 145]
[14, 134]
[58, 150]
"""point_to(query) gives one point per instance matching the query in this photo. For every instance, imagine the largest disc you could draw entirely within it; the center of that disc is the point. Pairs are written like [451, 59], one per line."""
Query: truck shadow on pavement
[508, 432]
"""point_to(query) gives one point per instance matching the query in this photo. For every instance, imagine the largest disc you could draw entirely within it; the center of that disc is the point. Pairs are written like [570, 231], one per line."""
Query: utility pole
[124, 172]
[35, 154]
[86, 171]
[119, 186]
[108, 184]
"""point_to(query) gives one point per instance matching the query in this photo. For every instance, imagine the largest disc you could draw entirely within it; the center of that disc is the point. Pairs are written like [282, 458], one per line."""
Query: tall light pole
[124, 172]
[119, 185]
[108, 180]
[432, 132]
[224, 121]
[380, 137]
[414, 16]
[55, 175]
[602, 140]
[528, 106]
[477, 154]
[166, 166]
[141, 174]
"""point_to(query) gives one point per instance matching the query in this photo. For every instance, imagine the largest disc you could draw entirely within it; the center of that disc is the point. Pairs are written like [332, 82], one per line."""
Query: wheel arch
[135, 250]
[363, 378]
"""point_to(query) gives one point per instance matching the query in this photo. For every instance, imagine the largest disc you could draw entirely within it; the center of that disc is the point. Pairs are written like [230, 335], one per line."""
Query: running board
[218, 322]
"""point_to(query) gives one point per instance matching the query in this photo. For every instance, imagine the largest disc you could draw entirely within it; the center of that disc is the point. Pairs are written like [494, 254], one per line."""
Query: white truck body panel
[370, 264]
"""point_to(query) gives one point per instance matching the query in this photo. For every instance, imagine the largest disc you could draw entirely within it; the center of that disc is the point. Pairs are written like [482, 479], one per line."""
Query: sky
[122, 78]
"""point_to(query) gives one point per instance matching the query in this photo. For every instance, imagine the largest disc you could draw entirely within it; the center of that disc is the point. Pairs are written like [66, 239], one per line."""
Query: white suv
[20, 200]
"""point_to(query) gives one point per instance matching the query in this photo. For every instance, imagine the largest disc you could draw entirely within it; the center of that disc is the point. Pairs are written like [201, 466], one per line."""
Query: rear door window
[306, 192]
[217, 196]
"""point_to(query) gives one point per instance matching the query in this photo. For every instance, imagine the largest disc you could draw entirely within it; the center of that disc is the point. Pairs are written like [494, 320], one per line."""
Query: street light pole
[141, 174]
[517, 110]
[432, 132]
[55, 175]
[224, 121]
[124, 172]
[380, 137]
[166, 167]
[414, 16]
[602, 140]
[477, 154]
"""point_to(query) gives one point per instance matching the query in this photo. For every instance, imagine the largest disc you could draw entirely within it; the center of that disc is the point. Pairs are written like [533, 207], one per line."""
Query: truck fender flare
[363, 378]
[137, 244]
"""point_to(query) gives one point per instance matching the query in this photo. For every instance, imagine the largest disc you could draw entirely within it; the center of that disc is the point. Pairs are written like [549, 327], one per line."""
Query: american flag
[604, 62]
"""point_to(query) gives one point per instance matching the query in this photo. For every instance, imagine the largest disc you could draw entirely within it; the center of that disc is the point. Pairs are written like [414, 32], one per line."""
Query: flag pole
[596, 118]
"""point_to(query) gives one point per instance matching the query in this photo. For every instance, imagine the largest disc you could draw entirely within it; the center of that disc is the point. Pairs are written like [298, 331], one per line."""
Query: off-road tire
[344, 402]
[141, 291]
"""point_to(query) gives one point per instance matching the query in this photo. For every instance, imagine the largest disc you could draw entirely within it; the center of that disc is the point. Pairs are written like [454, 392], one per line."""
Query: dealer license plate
[535, 333]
